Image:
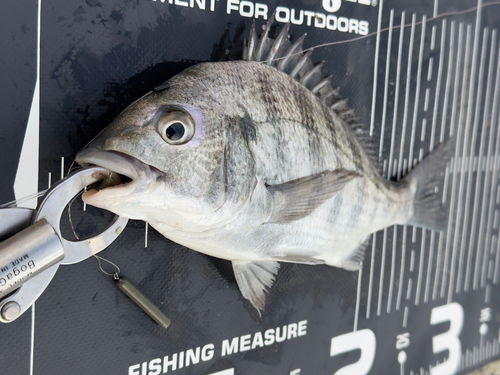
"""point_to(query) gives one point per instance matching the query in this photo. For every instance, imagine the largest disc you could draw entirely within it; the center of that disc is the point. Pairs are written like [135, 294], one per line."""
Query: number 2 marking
[363, 340]
[454, 313]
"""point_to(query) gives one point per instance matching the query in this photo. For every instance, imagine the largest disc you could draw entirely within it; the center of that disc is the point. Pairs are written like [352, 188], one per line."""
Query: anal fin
[254, 278]
[354, 261]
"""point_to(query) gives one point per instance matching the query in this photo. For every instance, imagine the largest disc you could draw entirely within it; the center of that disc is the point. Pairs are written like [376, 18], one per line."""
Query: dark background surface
[96, 58]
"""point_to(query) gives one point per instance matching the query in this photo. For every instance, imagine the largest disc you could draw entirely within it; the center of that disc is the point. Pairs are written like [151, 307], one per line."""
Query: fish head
[185, 153]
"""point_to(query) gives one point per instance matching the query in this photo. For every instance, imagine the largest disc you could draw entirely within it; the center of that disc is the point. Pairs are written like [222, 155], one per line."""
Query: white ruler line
[438, 85]
[497, 264]
[386, 84]
[455, 160]
[420, 268]
[461, 120]
[495, 123]
[483, 196]
[62, 167]
[429, 267]
[426, 99]
[382, 269]
[407, 93]
[393, 267]
[422, 135]
[417, 92]
[449, 74]
[475, 130]
[358, 294]
[146, 235]
[435, 13]
[396, 95]
[375, 67]
[405, 317]
[431, 60]
[438, 266]
[402, 270]
[370, 284]
[408, 291]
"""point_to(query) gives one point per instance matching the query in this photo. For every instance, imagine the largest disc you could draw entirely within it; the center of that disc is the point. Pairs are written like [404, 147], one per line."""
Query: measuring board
[418, 73]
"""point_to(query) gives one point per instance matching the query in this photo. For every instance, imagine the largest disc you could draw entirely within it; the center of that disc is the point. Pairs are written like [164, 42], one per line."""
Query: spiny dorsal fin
[294, 61]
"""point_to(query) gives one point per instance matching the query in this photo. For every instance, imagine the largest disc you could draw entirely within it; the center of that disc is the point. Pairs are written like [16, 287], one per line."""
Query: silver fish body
[269, 174]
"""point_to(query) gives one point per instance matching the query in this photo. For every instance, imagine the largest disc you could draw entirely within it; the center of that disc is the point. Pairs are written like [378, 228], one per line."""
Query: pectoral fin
[254, 278]
[296, 199]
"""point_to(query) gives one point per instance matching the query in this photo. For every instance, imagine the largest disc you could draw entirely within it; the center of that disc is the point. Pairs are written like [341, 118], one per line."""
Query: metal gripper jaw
[33, 247]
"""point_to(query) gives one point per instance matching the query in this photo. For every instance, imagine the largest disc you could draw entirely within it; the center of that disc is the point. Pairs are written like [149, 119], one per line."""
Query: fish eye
[176, 127]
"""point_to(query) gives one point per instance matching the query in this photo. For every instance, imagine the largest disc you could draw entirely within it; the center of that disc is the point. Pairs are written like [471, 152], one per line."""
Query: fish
[258, 161]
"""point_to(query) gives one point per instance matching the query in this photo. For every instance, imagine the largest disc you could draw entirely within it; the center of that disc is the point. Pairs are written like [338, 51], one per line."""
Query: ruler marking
[496, 99]
[420, 267]
[438, 266]
[396, 93]
[393, 267]
[438, 84]
[146, 235]
[386, 83]
[375, 67]
[497, 264]
[402, 270]
[455, 159]
[487, 294]
[446, 181]
[414, 235]
[408, 291]
[460, 188]
[407, 92]
[358, 294]
[417, 92]
[449, 74]
[382, 269]
[426, 99]
[405, 317]
[422, 135]
[431, 60]
[412, 260]
[370, 284]
[429, 267]
[62, 167]
[468, 197]
[495, 220]
[490, 269]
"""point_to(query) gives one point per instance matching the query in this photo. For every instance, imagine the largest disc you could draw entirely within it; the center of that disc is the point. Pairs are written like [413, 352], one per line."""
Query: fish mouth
[124, 171]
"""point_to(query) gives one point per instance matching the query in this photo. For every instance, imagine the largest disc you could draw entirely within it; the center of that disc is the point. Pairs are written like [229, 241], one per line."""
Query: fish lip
[112, 160]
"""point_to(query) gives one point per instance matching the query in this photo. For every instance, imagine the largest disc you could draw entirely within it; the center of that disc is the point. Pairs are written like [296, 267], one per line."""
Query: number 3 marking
[454, 313]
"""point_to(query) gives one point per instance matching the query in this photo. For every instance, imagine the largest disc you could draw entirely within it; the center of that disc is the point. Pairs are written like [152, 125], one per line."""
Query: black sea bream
[258, 162]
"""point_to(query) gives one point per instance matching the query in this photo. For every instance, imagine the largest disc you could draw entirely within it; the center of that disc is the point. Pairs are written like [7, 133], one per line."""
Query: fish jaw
[122, 198]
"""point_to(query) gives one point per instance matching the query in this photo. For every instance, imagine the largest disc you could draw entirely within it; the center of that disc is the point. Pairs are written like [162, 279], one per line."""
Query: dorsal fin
[294, 61]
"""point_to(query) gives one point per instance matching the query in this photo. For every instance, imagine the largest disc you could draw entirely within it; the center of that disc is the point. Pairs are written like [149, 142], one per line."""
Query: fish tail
[429, 211]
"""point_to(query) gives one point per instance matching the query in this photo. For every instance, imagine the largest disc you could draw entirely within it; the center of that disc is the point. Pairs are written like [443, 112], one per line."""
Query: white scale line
[490, 269]
[407, 93]
[396, 94]
[494, 124]
[438, 84]
[449, 74]
[382, 269]
[370, 284]
[429, 267]
[497, 264]
[417, 92]
[408, 291]
[431, 61]
[463, 134]
[470, 175]
[358, 294]
[426, 99]
[146, 235]
[458, 60]
[487, 294]
[393, 267]
[62, 167]
[402, 270]
[467, 87]
[479, 174]
[405, 317]
[422, 135]
[375, 67]
[386, 84]
[420, 268]
[438, 266]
